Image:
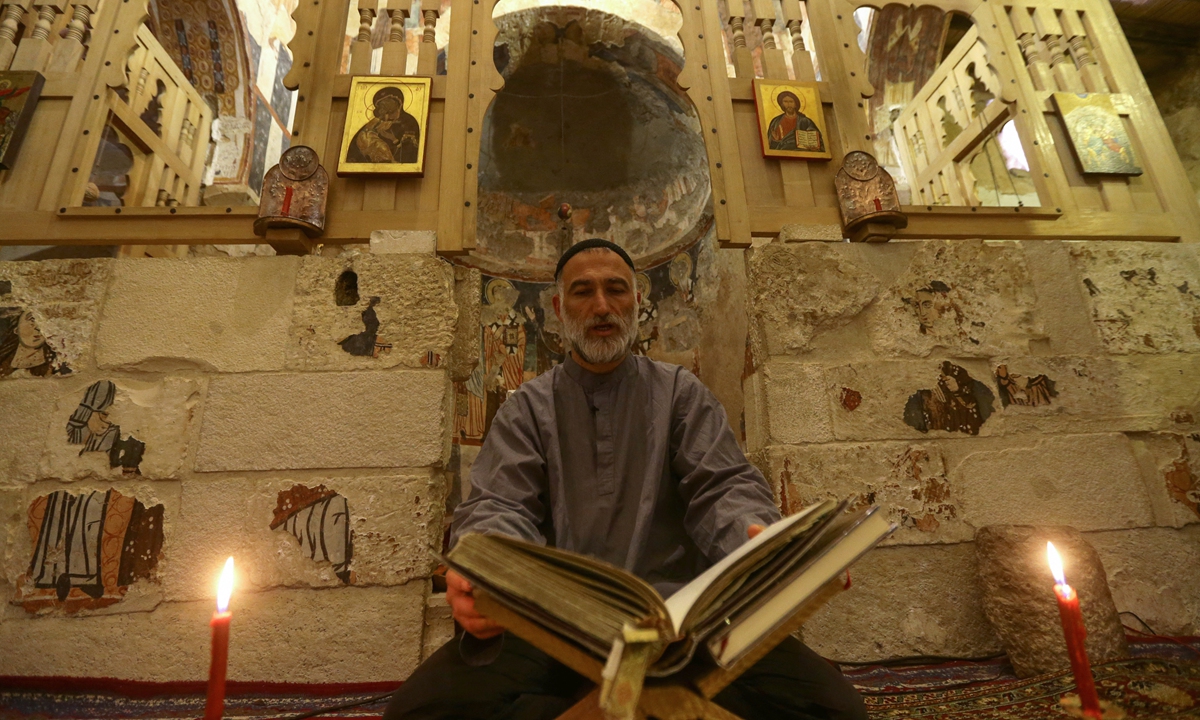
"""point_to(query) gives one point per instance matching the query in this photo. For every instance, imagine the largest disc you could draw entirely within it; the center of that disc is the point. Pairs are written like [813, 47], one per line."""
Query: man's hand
[751, 531]
[462, 606]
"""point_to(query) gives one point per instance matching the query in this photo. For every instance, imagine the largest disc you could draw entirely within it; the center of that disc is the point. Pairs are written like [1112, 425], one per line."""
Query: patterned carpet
[1160, 680]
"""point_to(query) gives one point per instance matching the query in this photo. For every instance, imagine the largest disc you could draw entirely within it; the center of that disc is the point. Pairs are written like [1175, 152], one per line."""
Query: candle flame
[225, 586]
[1056, 566]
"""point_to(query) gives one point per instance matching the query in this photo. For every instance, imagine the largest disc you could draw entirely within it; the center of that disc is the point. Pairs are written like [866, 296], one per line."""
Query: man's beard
[601, 350]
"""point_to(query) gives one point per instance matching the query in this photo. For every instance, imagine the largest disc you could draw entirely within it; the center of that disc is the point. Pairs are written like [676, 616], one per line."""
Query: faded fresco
[520, 338]
[91, 427]
[957, 403]
[24, 351]
[1022, 389]
[88, 548]
[1183, 483]
[319, 519]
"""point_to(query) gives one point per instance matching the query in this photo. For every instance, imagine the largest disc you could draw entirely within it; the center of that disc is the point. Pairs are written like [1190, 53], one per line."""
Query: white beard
[601, 350]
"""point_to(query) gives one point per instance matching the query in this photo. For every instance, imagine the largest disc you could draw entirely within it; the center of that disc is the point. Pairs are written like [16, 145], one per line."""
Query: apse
[590, 137]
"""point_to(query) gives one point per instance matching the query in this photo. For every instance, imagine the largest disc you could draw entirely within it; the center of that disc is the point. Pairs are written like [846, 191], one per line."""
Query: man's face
[27, 332]
[598, 306]
[788, 105]
[927, 308]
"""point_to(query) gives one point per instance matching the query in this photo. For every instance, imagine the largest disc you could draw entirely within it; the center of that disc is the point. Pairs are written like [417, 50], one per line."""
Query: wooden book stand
[686, 695]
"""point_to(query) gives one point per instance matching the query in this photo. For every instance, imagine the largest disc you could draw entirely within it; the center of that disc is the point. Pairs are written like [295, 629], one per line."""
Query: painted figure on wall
[930, 303]
[957, 403]
[23, 347]
[1023, 390]
[88, 548]
[319, 519]
[792, 129]
[91, 427]
[367, 342]
[390, 136]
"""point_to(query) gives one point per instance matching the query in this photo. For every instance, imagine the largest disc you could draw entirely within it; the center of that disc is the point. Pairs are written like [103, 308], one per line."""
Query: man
[792, 129]
[625, 459]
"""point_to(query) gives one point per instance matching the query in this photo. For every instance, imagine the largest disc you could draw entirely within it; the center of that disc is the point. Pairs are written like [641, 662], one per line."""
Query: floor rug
[1160, 680]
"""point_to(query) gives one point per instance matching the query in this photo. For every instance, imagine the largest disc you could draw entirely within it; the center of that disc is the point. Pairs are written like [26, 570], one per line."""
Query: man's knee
[792, 681]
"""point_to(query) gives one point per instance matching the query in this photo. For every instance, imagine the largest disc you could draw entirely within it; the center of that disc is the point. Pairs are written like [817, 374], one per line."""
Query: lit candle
[1073, 630]
[214, 707]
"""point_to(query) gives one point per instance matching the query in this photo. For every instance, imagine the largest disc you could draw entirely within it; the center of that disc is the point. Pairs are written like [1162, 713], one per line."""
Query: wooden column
[10, 22]
[743, 62]
[1048, 29]
[774, 64]
[34, 51]
[395, 49]
[1081, 52]
[69, 50]
[427, 53]
[1039, 70]
[360, 49]
[802, 63]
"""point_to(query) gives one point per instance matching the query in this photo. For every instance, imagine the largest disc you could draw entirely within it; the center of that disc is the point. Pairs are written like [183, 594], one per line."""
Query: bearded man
[625, 459]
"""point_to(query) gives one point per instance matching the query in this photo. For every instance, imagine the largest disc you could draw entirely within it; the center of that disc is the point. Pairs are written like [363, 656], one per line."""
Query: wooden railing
[1026, 51]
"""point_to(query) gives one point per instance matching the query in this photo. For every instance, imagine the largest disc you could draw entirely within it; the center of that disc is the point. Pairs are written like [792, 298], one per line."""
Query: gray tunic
[637, 467]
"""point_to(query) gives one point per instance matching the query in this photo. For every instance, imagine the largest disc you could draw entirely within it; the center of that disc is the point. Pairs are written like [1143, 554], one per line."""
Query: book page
[680, 604]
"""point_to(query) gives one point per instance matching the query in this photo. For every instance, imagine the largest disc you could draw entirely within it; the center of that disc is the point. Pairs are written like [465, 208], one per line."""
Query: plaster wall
[283, 420]
[965, 384]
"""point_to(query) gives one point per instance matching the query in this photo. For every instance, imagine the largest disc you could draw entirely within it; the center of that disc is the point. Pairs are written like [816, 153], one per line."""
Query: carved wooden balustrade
[1020, 53]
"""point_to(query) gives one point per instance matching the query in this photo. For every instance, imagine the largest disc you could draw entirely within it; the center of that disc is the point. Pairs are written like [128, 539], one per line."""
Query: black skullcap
[587, 245]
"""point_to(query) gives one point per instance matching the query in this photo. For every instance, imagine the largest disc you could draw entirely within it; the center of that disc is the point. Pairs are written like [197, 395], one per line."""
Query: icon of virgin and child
[792, 129]
[390, 136]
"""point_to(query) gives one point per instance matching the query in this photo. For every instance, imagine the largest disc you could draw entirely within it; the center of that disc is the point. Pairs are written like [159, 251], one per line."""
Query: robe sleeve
[508, 478]
[723, 493]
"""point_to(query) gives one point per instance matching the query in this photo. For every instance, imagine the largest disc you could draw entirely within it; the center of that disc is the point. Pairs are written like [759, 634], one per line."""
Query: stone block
[372, 312]
[28, 406]
[1154, 573]
[1019, 599]
[1171, 469]
[908, 481]
[1063, 310]
[1144, 297]
[211, 314]
[293, 421]
[394, 524]
[797, 291]
[403, 242]
[960, 298]
[133, 540]
[64, 298]
[339, 636]
[439, 625]
[156, 413]
[464, 351]
[787, 403]
[1089, 482]
[906, 601]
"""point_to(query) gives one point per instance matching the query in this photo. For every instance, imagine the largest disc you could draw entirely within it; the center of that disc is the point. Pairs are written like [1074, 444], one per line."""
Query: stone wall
[161, 415]
[964, 384]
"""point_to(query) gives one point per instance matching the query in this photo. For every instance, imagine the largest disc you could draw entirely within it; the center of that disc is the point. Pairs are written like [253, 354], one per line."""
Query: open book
[730, 607]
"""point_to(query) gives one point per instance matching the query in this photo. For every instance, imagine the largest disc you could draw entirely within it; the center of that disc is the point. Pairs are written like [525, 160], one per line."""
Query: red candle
[1075, 633]
[214, 706]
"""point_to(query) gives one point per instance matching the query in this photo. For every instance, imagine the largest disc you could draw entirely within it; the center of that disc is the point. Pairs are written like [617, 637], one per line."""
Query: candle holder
[1073, 706]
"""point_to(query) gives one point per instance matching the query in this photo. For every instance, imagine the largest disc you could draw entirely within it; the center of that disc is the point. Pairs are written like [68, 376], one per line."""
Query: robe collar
[591, 381]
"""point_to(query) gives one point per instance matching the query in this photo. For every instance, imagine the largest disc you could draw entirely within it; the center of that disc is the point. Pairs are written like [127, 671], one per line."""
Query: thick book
[728, 609]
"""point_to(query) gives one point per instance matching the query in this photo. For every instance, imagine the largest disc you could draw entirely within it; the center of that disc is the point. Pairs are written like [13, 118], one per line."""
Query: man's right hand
[462, 606]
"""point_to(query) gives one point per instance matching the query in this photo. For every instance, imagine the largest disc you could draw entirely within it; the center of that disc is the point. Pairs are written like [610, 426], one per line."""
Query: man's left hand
[754, 530]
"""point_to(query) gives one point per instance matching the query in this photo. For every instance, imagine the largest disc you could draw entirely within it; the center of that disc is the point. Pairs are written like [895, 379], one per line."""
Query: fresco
[957, 403]
[1023, 390]
[91, 427]
[319, 519]
[24, 351]
[88, 548]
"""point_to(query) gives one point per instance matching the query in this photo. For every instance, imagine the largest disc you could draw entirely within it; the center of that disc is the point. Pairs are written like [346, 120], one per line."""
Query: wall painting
[319, 519]
[24, 351]
[91, 427]
[957, 403]
[88, 548]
